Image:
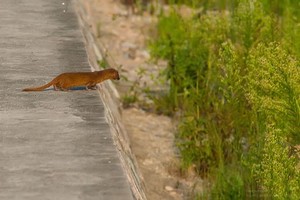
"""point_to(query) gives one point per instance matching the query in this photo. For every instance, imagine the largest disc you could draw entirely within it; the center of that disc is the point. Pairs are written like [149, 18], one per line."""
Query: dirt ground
[152, 136]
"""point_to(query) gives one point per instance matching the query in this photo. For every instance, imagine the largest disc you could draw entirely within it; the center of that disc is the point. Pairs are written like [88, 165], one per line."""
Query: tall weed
[234, 79]
[274, 94]
[277, 172]
[274, 78]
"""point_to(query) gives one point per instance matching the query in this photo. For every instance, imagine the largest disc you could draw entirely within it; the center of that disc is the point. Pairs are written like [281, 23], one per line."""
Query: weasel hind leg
[59, 87]
[56, 88]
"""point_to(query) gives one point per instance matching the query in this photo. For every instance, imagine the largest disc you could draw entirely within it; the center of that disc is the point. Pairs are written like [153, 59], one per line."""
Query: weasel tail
[41, 88]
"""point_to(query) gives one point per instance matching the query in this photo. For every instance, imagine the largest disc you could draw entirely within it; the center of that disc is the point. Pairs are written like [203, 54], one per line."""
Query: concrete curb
[110, 97]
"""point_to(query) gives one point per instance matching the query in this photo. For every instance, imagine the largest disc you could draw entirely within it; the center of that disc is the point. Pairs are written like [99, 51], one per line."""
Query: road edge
[97, 52]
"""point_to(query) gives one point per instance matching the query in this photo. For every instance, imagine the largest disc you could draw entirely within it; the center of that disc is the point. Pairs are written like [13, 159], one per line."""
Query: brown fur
[66, 81]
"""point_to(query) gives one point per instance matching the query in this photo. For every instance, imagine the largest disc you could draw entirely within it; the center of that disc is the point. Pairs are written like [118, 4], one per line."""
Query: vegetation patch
[234, 80]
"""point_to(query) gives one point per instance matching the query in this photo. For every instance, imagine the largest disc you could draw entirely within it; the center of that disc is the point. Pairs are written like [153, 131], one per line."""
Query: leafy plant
[234, 79]
[274, 78]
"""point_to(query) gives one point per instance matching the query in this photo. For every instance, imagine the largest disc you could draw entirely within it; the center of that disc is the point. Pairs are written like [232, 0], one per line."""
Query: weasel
[66, 81]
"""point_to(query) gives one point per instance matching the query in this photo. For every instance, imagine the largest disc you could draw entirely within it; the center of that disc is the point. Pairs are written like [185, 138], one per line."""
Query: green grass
[233, 74]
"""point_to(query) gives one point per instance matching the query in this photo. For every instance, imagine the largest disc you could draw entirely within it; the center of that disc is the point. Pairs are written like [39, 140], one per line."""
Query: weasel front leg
[91, 87]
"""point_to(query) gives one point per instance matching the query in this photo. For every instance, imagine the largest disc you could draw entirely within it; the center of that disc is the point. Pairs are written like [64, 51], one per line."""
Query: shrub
[234, 78]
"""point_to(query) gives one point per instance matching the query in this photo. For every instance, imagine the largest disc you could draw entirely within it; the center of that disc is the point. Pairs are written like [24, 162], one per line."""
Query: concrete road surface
[53, 145]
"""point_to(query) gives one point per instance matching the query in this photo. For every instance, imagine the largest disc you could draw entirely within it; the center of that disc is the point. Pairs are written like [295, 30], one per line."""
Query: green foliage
[129, 99]
[291, 27]
[229, 185]
[251, 24]
[189, 51]
[277, 172]
[132, 96]
[234, 78]
[274, 92]
[207, 4]
[102, 63]
[274, 78]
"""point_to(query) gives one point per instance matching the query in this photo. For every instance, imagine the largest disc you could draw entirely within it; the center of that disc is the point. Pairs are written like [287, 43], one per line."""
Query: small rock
[169, 188]
[131, 53]
[148, 162]
[144, 54]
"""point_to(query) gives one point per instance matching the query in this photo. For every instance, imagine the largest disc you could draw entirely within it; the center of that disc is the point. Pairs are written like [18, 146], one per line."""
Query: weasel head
[109, 74]
[114, 74]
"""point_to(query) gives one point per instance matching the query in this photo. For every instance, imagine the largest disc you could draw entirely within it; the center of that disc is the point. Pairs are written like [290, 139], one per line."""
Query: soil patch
[151, 136]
